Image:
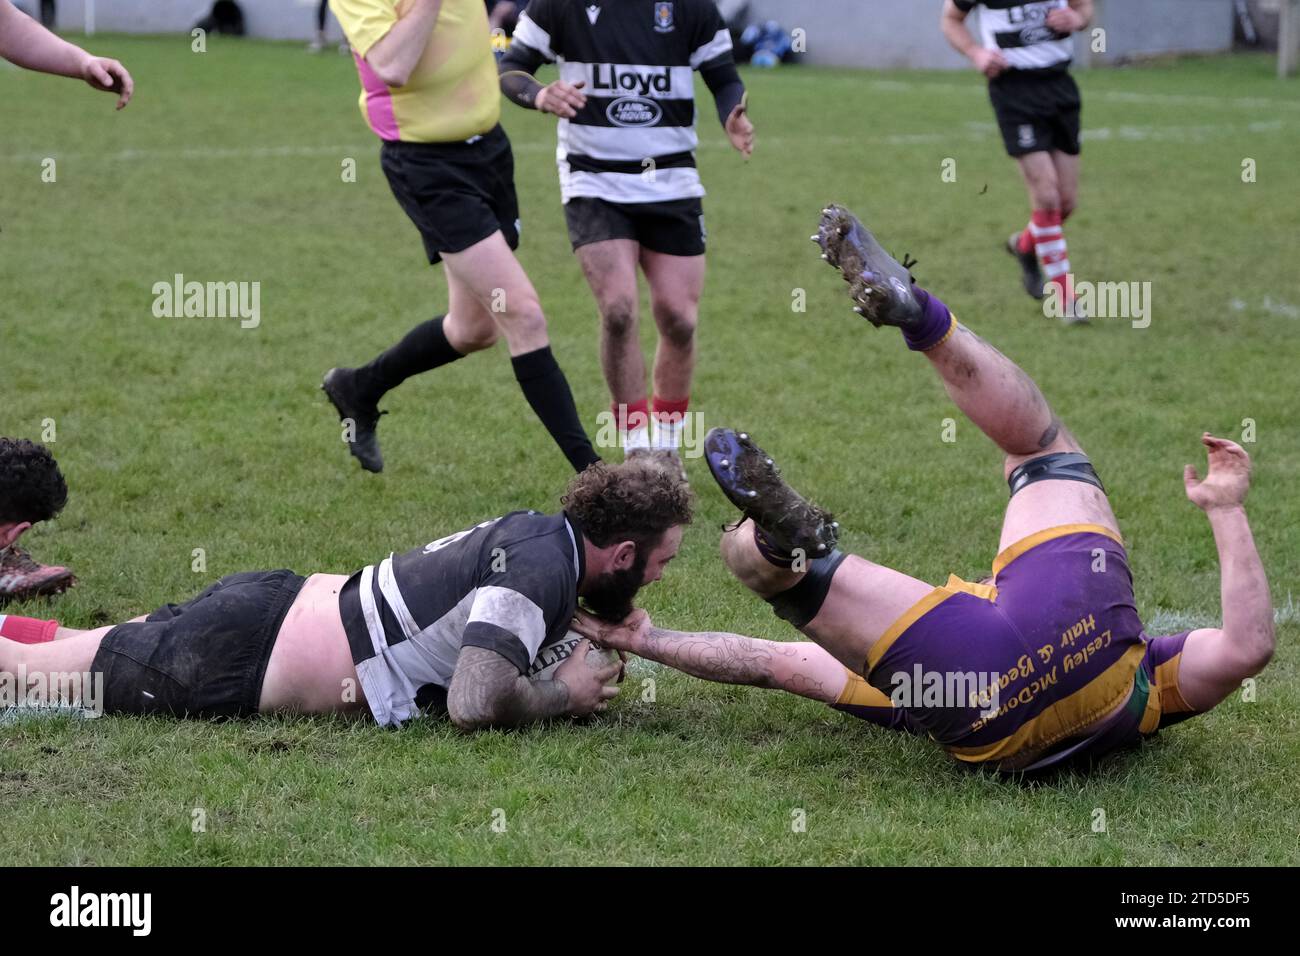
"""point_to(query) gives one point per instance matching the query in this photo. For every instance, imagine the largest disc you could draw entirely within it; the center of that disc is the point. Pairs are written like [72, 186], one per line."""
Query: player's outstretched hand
[108, 76]
[588, 690]
[1228, 480]
[739, 129]
[562, 99]
[621, 636]
[989, 62]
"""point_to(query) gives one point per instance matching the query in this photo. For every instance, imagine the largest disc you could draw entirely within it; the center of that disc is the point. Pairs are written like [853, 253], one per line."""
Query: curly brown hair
[31, 485]
[637, 500]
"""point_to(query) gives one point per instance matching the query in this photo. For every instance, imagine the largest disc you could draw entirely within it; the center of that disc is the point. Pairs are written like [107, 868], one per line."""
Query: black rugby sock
[547, 391]
[423, 348]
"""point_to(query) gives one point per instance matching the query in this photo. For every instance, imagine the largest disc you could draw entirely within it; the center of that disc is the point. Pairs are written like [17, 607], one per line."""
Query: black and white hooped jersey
[509, 584]
[1020, 31]
[634, 141]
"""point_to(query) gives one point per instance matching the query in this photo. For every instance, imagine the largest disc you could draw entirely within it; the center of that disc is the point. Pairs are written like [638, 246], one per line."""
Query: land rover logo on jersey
[664, 18]
[1038, 34]
[634, 111]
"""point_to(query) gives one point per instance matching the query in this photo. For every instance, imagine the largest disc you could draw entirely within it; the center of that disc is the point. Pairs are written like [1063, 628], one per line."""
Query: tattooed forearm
[733, 659]
[488, 691]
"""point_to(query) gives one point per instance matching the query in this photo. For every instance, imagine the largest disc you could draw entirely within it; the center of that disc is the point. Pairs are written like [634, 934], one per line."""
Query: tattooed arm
[488, 691]
[799, 667]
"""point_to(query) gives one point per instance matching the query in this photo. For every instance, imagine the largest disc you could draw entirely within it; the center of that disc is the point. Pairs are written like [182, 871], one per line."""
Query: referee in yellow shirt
[429, 91]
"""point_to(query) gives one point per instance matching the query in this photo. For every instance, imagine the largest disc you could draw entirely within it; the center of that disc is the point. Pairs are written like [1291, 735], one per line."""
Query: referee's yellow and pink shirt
[453, 92]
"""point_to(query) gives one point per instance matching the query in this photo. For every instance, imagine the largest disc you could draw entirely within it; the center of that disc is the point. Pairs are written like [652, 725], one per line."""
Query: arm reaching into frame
[799, 667]
[26, 43]
[1216, 660]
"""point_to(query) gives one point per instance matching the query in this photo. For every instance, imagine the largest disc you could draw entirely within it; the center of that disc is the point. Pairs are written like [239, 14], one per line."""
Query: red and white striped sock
[669, 422]
[1049, 245]
[633, 425]
[1026, 243]
[27, 630]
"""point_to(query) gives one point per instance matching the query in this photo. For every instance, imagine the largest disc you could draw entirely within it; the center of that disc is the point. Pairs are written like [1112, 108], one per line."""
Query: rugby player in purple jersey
[1045, 664]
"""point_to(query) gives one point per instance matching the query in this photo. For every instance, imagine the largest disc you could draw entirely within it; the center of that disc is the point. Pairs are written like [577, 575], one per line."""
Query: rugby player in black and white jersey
[448, 628]
[625, 99]
[1025, 51]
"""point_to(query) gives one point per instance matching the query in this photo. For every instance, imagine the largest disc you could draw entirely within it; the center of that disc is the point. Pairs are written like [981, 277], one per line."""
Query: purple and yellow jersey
[453, 92]
[1019, 674]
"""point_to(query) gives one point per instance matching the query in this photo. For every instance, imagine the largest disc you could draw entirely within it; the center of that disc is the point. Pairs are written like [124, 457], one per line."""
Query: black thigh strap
[1068, 465]
[800, 604]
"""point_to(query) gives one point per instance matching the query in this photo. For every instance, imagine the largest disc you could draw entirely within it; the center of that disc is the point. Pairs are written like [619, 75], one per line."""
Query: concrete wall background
[269, 19]
[878, 34]
[1161, 26]
[862, 33]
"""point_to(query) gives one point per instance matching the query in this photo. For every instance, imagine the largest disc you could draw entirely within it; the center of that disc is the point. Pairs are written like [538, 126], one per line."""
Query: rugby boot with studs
[752, 482]
[880, 286]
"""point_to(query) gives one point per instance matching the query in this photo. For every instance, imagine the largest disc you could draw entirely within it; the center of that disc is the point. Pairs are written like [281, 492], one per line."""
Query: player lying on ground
[625, 101]
[1025, 50]
[451, 627]
[1069, 671]
[26, 43]
[32, 490]
[429, 92]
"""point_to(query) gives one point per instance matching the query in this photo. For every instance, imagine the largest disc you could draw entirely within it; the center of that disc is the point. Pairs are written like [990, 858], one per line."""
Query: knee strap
[800, 604]
[1068, 465]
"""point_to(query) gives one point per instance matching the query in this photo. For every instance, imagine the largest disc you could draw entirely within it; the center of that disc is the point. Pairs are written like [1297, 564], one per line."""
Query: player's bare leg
[864, 598]
[676, 285]
[610, 267]
[994, 393]
[1004, 402]
[1039, 173]
[310, 670]
[48, 664]
[1067, 182]
[469, 327]
[784, 551]
[485, 281]
[1049, 177]
[490, 273]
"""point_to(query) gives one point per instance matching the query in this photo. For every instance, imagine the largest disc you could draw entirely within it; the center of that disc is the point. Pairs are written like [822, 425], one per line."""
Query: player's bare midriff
[311, 669]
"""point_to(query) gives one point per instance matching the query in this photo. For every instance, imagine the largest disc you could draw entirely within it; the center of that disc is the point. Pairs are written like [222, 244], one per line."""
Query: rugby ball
[550, 657]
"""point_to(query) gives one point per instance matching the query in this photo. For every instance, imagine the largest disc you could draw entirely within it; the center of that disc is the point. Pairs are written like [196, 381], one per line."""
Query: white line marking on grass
[974, 132]
[214, 152]
[1284, 309]
[1112, 96]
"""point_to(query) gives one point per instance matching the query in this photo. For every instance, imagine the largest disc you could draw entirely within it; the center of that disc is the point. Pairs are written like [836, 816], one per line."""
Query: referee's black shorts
[457, 194]
[1037, 110]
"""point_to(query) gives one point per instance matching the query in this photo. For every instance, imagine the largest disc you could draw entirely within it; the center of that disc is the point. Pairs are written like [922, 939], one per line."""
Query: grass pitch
[181, 434]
